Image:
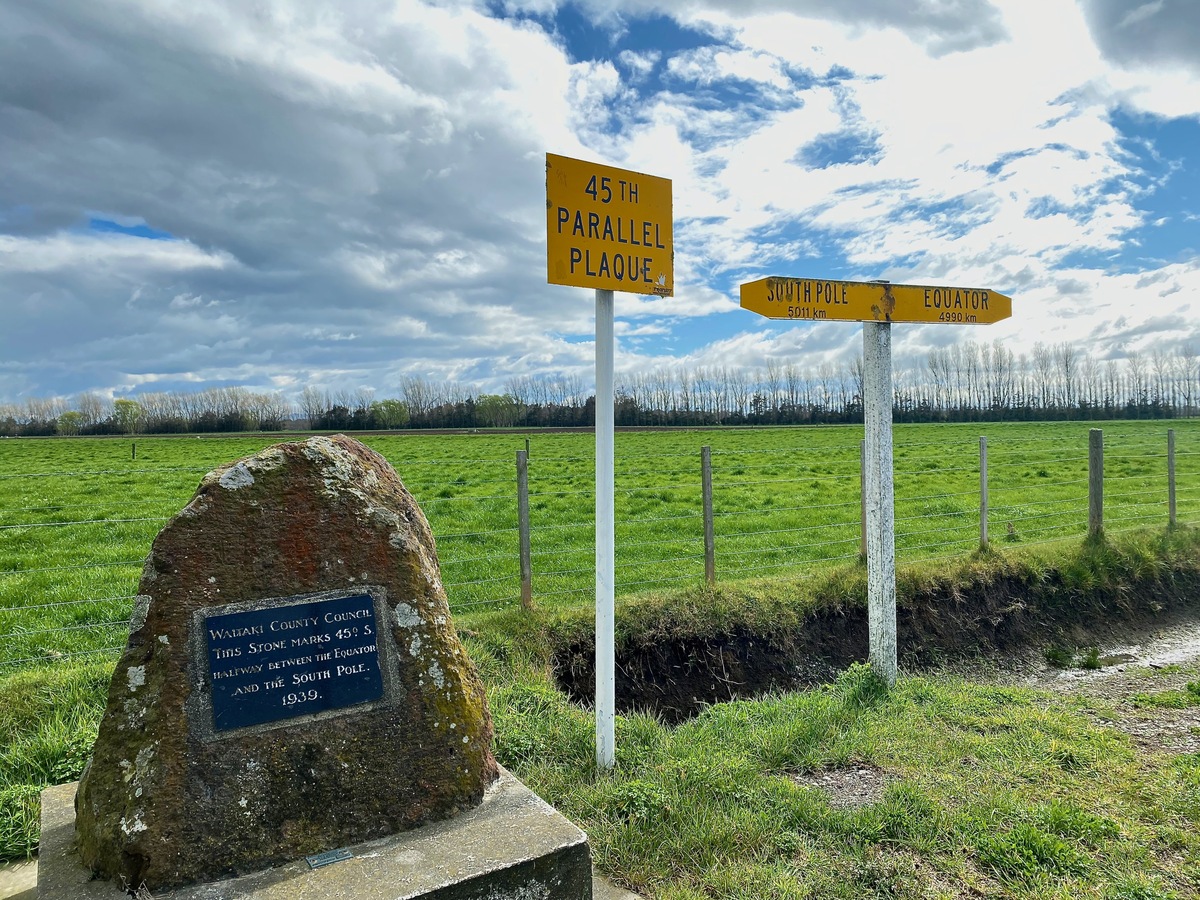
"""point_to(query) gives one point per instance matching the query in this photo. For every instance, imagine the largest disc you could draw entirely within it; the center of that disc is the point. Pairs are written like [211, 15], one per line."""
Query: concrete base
[18, 880]
[513, 846]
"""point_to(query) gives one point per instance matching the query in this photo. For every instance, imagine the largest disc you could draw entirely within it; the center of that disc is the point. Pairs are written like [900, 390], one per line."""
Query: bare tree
[792, 380]
[1135, 371]
[1089, 382]
[315, 403]
[857, 375]
[1043, 368]
[1186, 376]
[684, 379]
[1067, 359]
[518, 387]
[972, 374]
[1003, 376]
[1160, 363]
[574, 390]
[92, 407]
[1112, 384]
[418, 394]
[825, 377]
[772, 379]
[740, 390]
[938, 364]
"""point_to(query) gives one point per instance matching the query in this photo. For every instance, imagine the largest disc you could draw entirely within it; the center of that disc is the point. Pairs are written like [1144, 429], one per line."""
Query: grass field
[991, 791]
[988, 791]
[77, 515]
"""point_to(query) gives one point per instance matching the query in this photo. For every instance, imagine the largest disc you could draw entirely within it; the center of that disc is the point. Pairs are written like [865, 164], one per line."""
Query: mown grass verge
[990, 791]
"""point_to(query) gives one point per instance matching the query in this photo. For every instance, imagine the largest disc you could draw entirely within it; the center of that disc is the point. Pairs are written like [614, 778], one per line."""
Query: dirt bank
[999, 622]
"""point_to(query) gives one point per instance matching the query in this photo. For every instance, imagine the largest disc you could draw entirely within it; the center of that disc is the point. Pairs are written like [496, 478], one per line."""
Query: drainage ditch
[1003, 618]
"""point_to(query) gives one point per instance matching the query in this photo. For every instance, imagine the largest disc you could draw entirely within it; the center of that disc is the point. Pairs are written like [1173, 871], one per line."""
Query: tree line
[223, 409]
[960, 383]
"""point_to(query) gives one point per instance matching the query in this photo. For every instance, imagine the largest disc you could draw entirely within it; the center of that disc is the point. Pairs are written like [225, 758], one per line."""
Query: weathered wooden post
[710, 554]
[523, 528]
[983, 493]
[862, 500]
[880, 499]
[1095, 482]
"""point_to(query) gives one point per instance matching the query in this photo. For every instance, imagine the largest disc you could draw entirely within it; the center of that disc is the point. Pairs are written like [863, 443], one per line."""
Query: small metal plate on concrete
[329, 856]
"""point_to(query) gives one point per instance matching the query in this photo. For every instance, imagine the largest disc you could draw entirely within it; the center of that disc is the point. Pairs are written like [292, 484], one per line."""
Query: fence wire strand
[1011, 469]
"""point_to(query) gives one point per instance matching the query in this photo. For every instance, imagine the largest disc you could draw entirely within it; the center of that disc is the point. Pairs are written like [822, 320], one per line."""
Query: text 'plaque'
[292, 659]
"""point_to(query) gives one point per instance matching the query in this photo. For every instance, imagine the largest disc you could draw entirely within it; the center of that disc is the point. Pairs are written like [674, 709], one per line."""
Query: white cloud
[363, 176]
[708, 64]
[61, 252]
[639, 64]
[1140, 13]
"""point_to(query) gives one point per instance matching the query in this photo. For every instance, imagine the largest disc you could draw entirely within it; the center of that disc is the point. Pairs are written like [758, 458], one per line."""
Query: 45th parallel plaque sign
[872, 301]
[608, 228]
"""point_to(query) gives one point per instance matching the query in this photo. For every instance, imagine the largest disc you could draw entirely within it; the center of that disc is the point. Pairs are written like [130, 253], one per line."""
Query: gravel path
[1149, 664]
[1132, 666]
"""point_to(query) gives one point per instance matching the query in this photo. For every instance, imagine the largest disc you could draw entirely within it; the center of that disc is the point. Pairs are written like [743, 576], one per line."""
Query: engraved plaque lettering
[292, 659]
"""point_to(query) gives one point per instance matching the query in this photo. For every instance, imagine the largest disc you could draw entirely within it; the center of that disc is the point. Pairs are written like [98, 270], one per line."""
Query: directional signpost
[872, 301]
[608, 229]
[877, 304]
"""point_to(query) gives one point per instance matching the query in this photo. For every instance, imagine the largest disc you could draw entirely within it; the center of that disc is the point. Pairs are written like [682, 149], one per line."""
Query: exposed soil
[1000, 629]
[856, 785]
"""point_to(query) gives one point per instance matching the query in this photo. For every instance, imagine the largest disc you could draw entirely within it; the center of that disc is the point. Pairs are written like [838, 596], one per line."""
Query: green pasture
[77, 515]
[987, 791]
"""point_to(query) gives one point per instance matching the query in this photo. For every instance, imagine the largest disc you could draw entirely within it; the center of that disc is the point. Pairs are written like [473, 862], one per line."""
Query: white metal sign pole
[606, 689]
[881, 537]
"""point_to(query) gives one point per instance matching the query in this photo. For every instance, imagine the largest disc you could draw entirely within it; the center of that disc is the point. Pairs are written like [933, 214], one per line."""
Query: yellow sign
[608, 228]
[868, 301]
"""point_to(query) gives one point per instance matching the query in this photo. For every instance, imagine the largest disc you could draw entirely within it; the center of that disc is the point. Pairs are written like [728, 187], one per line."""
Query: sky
[285, 193]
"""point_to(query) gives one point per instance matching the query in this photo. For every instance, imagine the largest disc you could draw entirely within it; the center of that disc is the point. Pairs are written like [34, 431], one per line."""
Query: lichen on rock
[166, 800]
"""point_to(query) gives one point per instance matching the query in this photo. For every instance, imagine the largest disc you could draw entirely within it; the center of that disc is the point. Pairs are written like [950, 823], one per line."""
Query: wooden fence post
[1171, 476]
[862, 494]
[523, 528]
[983, 492]
[1095, 482]
[710, 553]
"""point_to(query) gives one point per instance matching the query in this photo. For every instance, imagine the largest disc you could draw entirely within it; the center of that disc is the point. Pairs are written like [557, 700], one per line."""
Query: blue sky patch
[1168, 196]
[840, 148]
[587, 39]
[141, 230]
[1172, 201]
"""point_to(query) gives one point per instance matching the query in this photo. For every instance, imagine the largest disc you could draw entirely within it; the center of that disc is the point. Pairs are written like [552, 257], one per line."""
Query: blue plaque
[292, 659]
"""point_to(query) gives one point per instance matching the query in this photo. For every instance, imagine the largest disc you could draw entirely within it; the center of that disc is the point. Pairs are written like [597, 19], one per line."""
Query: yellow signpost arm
[877, 304]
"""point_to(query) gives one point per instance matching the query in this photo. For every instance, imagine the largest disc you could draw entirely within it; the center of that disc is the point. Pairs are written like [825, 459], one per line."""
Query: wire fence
[73, 540]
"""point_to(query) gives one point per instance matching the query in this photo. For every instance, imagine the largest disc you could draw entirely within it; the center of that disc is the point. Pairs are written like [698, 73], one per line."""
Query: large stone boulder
[292, 682]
